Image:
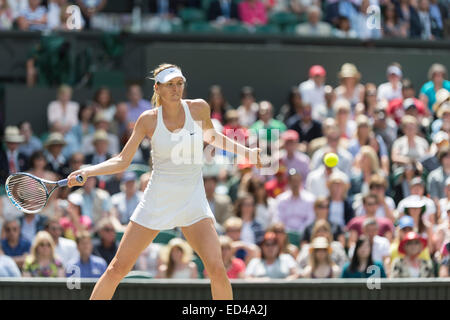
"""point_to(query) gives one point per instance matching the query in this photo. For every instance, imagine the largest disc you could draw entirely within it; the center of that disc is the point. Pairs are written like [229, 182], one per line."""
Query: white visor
[168, 74]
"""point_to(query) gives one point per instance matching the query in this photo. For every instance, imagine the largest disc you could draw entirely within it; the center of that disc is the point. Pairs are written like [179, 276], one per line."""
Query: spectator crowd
[383, 210]
[362, 19]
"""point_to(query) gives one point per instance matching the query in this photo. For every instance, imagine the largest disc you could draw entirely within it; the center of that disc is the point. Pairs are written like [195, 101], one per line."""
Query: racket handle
[63, 183]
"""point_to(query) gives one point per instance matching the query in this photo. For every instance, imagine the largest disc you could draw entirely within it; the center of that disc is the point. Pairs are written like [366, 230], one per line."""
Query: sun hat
[290, 135]
[410, 236]
[54, 139]
[442, 95]
[320, 243]
[349, 70]
[394, 70]
[100, 135]
[440, 137]
[445, 107]
[180, 243]
[12, 135]
[414, 201]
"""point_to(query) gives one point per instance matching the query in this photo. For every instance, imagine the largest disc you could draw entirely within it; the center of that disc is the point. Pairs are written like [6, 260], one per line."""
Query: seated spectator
[318, 179]
[442, 111]
[365, 23]
[273, 264]
[8, 268]
[411, 266]
[33, 18]
[252, 12]
[380, 245]
[87, 265]
[301, 6]
[415, 207]
[31, 224]
[232, 129]
[95, 203]
[75, 221]
[410, 146]
[149, 259]
[322, 228]
[31, 143]
[58, 13]
[235, 267]
[103, 103]
[65, 249]
[438, 79]
[321, 209]
[39, 166]
[101, 123]
[314, 26]
[290, 155]
[42, 262]
[223, 11]
[75, 162]
[101, 142]
[283, 239]
[252, 231]
[370, 203]
[265, 205]
[289, 109]
[248, 110]
[119, 125]
[127, 200]
[344, 29]
[346, 125]
[14, 245]
[136, 103]
[320, 263]
[350, 87]
[6, 15]
[220, 204]
[295, 207]
[369, 104]
[405, 225]
[242, 250]
[362, 265]
[54, 146]
[335, 9]
[444, 204]
[384, 126]
[340, 210]
[307, 128]
[63, 112]
[431, 29]
[437, 178]
[219, 105]
[177, 261]
[393, 26]
[418, 198]
[439, 12]
[107, 247]
[397, 108]
[393, 88]
[89, 8]
[277, 185]
[268, 124]
[407, 14]
[333, 137]
[11, 159]
[313, 90]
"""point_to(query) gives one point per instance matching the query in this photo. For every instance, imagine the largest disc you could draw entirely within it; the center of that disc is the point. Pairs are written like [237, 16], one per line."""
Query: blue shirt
[135, 111]
[31, 146]
[37, 14]
[94, 268]
[428, 90]
[22, 248]
[346, 273]
[8, 268]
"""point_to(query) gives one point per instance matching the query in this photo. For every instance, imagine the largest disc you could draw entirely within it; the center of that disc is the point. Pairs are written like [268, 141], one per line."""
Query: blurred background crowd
[382, 211]
[357, 19]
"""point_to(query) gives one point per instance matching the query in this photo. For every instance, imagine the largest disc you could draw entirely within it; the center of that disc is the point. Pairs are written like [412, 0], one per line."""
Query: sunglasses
[11, 229]
[44, 244]
[371, 204]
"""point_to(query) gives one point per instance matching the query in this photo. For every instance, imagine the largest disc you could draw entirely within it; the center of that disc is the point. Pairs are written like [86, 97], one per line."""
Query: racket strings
[29, 193]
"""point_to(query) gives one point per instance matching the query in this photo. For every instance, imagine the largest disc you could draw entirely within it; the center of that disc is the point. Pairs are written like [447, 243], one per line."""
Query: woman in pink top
[252, 12]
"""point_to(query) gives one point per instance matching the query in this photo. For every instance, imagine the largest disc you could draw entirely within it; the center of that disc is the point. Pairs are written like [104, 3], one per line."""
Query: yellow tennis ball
[331, 159]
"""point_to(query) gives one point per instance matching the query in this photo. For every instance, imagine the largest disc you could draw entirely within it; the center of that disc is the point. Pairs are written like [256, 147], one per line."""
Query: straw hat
[12, 135]
[445, 107]
[180, 243]
[349, 70]
[55, 138]
[100, 135]
[320, 243]
[442, 95]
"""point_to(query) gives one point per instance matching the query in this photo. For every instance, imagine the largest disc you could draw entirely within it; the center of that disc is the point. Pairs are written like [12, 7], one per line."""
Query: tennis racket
[29, 193]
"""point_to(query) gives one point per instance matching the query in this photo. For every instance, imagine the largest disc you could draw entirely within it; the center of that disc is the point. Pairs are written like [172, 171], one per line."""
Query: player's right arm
[145, 126]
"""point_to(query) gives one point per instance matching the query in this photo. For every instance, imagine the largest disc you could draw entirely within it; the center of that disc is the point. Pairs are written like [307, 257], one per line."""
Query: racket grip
[63, 183]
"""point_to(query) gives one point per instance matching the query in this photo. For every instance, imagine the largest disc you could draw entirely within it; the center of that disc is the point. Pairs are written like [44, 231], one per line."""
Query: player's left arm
[219, 140]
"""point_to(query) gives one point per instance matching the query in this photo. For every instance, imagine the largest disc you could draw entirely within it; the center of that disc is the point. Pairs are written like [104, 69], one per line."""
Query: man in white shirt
[393, 88]
[65, 249]
[313, 89]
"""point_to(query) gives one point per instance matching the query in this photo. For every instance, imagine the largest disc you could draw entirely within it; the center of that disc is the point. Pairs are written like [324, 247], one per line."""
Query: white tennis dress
[175, 195]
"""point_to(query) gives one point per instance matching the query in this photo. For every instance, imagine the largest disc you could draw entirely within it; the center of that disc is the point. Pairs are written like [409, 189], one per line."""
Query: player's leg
[135, 239]
[203, 238]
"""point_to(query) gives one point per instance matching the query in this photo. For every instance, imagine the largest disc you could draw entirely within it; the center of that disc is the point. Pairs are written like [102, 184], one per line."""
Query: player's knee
[216, 269]
[117, 270]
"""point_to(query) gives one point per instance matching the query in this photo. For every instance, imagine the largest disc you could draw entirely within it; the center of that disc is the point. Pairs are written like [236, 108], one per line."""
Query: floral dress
[36, 270]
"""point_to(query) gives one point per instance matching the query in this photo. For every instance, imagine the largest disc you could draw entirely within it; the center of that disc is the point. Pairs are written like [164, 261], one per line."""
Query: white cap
[440, 136]
[394, 70]
[75, 198]
[168, 74]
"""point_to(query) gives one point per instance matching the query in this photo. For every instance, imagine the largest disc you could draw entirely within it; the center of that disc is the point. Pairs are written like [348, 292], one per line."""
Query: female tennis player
[175, 195]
